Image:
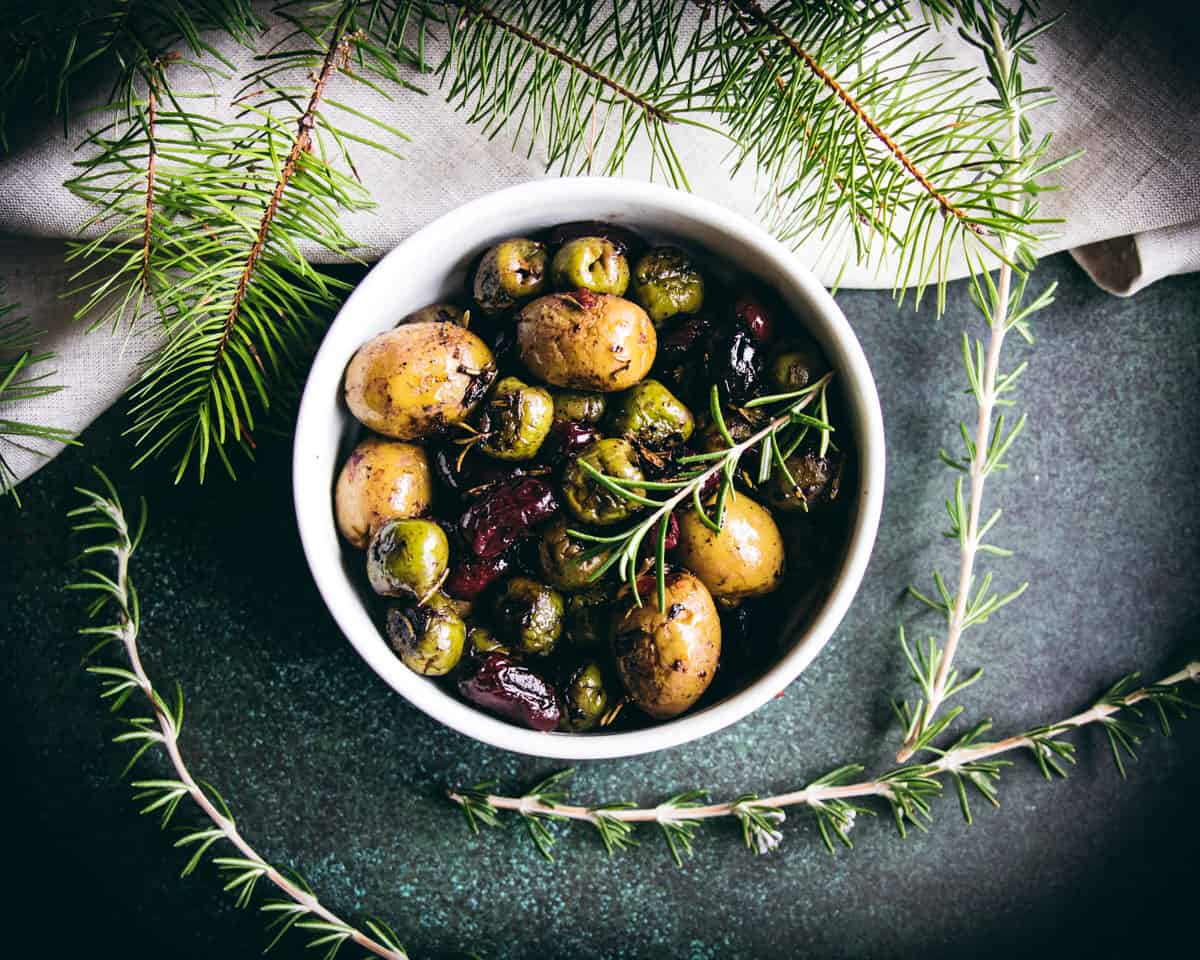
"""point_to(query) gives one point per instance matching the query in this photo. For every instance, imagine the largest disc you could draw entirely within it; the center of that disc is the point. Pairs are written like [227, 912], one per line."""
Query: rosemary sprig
[907, 791]
[622, 549]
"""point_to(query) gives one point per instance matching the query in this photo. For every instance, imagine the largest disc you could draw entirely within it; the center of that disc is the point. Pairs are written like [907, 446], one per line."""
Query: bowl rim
[323, 387]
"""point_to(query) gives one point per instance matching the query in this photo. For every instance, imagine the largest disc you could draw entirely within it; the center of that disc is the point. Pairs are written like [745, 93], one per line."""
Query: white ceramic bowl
[432, 264]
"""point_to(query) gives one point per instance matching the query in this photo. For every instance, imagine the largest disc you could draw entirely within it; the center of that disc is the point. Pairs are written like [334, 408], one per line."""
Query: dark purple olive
[625, 240]
[566, 439]
[681, 336]
[472, 575]
[650, 543]
[512, 691]
[505, 512]
[477, 474]
[752, 315]
[735, 365]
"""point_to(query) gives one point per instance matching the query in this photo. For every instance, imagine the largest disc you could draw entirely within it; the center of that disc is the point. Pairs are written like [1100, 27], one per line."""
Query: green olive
[407, 557]
[589, 616]
[439, 313]
[745, 559]
[565, 563]
[529, 615]
[740, 423]
[666, 660]
[795, 370]
[586, 497]
[481, 640]
[584, 698]
[518, 417]
[665, 282]
[510, 271]
[649, 413]
[590, 263]
[428, 638]
[578, 405]
[817, 481]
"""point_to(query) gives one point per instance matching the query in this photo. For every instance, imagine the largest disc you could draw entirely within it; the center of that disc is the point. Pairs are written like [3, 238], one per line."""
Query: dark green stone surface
[331, 772]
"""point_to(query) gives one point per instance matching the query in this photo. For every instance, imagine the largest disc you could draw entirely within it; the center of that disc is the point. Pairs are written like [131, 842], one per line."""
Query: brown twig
[152, 156]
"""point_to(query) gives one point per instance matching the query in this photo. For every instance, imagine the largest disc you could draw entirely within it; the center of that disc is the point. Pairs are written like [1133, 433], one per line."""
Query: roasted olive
[590, 263]
[625, 240]
[418, 379]
[516, 419]
[438, 313]
[407, 557]
[588, 499]
[735, 365]
[566, 563]
[754, 316]
[814, 481]
[588, 617]
[650, 414]
[381, 480]
[745, 559]
[529, 615]
[481, 641]
[505, 512]
[740, 422]
[795, 369]
[511, 690]
[586, 341]
[667, 658]
[666, 282]
[470, 576]
[428, 637]
[510, 271]
[584, 698]
[579, 405]
[566, 439]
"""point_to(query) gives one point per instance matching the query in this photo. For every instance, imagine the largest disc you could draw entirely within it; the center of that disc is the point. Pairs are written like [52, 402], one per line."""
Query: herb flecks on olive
[381, 480]
[438, 313]
[407, 558]
[746, 559]
[428, 637]
[580, 406]
[815, 481]
[515, 420]
[586, 497]
[529, 615]
[666, 282]
[586, 341]
[509, 272]
[568, 564]
[588, 617]
[650, 414]
[590, 263]
[585, 698]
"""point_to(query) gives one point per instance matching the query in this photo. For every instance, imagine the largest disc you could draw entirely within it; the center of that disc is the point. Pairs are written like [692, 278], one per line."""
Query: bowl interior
[433, 265]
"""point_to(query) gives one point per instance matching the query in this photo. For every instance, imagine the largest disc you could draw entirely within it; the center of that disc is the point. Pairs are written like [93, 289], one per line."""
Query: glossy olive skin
[586, 341]
[418, 379]
[746, 559]
[563, 560]
[587, 499]
[381, 480]
[817, 481]
[481, 641]
[795, 369]
[429, 638]
[741, 424]
[584, 697]
[407, 558]
[651, 414]
[510, 690]
[509, 272]
[438, 313]
[579, 406]
[529, 615]
[667, 660]
[590, 263]
[518, 417]
[589, 618]
[666, 282]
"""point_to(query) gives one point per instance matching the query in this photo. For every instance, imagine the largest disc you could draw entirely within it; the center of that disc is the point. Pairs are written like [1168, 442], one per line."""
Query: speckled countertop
[330, 771]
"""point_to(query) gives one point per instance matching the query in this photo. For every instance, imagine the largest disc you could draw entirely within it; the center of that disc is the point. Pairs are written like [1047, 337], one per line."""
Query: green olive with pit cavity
[579, 406]
[565, 563]
[651, 414]
[746, 559]
[585, 698]
[589, 617]
[795, 370]
[529, 615]
[438, 313]
[509, 272]
[481, 640]
[666, 282]
[587, 498]
[407, 557]
[429, 638]
[815, 481]
[517, 418]
[741, 424]
[590, 263]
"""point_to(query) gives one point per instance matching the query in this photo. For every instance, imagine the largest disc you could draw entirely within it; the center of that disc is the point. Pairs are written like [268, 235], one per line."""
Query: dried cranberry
[512, 691]
[505, 512]
[566, 439]
[736, 365]
[626, 241]
[471, 576]
[752, 315]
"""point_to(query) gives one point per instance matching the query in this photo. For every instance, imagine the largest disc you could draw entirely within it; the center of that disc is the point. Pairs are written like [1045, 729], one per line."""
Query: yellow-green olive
[407, 557]
[511, 271]
[418, 379]
[588, 499]
[667, 658]
[578, 406]
[529, 615]
[381, 480]
[745, 559]
[649, 413]
[586, 341]
[428, 638]
[666, 282]
[740, 423]
[438, 313]
[590, 263]
[589, 617]
[814, 481]
[481, 640]
[795, 369]
[518, 417]
[565, 561]
[585, 698]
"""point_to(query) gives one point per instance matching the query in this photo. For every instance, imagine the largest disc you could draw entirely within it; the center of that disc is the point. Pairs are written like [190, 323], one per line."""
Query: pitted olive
[584, 698]
[529, 615]
[565, 560]
[666, 282]
[588, 499]
[579, 406]
[516, 418]
[590, 263]
[438, 313]
[428, 638]
[509, 272]
[814, 481]
[650, 414]
[381, 480]
[407, 557]
[588, 617]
